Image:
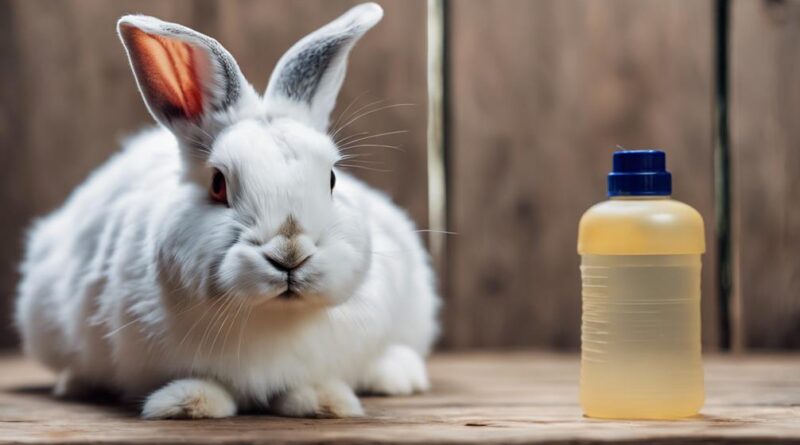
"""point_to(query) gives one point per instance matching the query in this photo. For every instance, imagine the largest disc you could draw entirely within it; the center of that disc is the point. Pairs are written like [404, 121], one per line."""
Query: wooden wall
[68, 95]
[765, 144]
[540, 94]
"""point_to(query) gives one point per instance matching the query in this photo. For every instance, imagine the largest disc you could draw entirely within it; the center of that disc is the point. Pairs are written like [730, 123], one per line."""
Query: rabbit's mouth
[292, 290]
[289, 294]
[295, 287]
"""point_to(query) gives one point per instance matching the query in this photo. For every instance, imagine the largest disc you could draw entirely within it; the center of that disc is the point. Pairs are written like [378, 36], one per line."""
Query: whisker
[393, 147]
[241, 335]
[356, 112]
[347, 138]
[440, 232]
[387, 133]
[365, 168]
[355, 156]
[242, 304]
[338, 129]
[227, 311]
[219, 306]
[200, 350]
[356, 160]
[140, 318]
[367, 113]
[186, 336]
[353, 102]
[115, 331]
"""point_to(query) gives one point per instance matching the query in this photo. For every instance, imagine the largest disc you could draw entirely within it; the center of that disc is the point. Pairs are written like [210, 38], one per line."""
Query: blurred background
[537, 95]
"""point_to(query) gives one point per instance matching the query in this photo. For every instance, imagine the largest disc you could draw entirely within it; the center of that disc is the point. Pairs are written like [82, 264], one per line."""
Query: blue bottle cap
[639, 173]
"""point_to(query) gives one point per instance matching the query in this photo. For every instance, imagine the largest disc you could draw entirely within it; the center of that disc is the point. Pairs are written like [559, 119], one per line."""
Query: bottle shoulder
[641, 227]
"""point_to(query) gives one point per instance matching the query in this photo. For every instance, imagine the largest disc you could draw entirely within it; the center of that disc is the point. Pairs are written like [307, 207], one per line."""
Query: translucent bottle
[640, 267]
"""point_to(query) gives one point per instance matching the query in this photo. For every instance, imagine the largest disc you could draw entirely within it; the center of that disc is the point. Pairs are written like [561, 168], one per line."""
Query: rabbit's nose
[286, 264]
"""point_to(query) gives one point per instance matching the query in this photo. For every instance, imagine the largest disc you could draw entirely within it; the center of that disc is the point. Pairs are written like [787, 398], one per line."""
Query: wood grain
[68, 95]
[542, 93]
[765, 150]
[487, 398]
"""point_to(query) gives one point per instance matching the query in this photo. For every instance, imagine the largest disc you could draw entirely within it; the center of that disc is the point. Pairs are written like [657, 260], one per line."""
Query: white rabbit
[214, 265]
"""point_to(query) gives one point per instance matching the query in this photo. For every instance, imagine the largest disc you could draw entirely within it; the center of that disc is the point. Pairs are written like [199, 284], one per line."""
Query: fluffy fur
[143, 284]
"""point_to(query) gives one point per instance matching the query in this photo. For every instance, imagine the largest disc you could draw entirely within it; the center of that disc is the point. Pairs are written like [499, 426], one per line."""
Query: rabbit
[221, 261]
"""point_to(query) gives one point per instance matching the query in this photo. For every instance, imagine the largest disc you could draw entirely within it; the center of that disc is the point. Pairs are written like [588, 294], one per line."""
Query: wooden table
[478, 397]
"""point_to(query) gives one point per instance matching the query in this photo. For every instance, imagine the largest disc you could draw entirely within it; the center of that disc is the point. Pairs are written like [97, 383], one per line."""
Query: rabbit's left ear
[308, 77]
[186, 78]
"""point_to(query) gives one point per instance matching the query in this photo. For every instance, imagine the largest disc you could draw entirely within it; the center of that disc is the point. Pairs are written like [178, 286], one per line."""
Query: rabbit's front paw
[189, 399]
[400, 370]
[332, 399]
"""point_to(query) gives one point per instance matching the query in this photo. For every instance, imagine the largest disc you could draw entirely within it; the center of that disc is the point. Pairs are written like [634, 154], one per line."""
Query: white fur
[189, 399]
[142, 284]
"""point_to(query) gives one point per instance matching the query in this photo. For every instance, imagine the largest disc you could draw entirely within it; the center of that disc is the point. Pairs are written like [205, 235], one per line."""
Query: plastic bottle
[640, 267]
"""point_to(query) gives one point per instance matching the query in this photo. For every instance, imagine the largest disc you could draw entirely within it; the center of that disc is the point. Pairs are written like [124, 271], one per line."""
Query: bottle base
[655, 410]
[640, 416]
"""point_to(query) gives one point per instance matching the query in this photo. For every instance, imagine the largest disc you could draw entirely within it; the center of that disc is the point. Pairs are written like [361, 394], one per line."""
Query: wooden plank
[17, 206]
[542, 92]
[524, 398]
[69, 96]
[765, 150]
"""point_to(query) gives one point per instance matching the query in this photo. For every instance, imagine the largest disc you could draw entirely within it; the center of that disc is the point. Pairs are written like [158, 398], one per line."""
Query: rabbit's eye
[219, 188]
[333, 179]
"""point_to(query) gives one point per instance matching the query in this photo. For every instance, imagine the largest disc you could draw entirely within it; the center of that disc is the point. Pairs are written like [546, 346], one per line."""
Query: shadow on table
[96, 397]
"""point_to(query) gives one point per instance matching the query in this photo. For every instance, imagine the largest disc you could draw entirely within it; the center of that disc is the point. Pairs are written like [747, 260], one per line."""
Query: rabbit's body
[140, 279]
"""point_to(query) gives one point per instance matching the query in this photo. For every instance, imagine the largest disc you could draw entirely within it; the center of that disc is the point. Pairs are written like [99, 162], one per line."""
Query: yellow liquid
[641, 353]
[641, 350]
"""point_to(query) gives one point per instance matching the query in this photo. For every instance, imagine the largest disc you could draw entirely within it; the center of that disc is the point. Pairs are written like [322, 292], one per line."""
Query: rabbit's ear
[185, 77]
[308, 77]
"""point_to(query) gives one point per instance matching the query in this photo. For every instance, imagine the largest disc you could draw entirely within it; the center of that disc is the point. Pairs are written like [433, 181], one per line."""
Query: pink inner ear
[168, 69]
